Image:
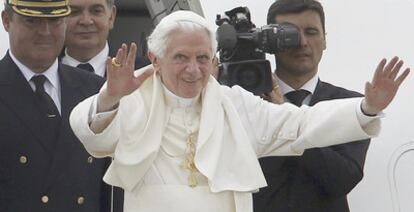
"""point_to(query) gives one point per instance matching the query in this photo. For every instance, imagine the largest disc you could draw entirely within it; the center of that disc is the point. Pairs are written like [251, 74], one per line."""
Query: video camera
[242, 49]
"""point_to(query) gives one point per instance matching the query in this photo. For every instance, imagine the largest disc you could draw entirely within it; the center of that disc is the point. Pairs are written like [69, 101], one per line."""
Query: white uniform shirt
[52, 84]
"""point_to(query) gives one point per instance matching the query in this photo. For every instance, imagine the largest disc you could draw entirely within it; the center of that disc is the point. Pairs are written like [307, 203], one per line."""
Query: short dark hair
[9, 10]
[280, 7]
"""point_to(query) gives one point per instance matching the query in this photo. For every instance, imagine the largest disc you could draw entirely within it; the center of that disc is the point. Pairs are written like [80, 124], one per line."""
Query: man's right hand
[121, 80]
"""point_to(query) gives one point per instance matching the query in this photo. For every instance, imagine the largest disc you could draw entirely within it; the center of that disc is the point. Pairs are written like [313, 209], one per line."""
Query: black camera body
[242, 49]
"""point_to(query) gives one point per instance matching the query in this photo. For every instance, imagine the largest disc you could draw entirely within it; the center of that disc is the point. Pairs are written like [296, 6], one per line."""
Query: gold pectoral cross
[189, 164]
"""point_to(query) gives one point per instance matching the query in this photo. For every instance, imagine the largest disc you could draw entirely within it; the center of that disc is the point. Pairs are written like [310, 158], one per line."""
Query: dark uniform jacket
[118, 193]
[320, 179]
[39, 172]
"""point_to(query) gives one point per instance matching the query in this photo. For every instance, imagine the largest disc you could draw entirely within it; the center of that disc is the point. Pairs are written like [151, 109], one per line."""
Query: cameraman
[322, 177]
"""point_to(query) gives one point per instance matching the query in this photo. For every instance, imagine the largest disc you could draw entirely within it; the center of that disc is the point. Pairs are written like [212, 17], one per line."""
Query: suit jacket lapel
[16, 92]
[320, 93]
[71, 94]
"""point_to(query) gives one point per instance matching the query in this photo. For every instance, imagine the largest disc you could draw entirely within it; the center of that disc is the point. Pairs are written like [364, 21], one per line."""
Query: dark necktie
[86, 66]
[47, 103]
[297, 97]
[50, 110]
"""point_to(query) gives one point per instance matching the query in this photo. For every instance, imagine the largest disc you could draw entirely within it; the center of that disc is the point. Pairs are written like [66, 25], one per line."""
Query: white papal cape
[234, 129]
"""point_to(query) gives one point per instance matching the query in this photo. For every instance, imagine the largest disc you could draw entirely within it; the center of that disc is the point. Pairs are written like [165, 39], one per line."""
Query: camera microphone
[226, 37]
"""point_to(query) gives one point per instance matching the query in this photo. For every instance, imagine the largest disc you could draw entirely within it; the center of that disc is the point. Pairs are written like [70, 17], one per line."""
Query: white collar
[310, 85]
[98, 62]
[51, 73]
[176, 101]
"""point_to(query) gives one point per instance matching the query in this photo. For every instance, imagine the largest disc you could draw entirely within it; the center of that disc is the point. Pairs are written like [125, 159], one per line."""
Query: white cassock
[231, 128]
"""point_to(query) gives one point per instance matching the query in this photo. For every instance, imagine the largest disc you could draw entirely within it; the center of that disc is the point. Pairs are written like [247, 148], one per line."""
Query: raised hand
[381, 91]
[121, 80]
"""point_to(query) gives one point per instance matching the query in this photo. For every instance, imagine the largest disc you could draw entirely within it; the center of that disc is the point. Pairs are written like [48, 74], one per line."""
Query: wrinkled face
[305, 59]
[89, 23]
[36, 42]
[187, 63]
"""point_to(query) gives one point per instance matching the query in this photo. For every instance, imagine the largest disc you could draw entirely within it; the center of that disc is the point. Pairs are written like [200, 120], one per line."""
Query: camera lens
[249, 76]
[253, 75]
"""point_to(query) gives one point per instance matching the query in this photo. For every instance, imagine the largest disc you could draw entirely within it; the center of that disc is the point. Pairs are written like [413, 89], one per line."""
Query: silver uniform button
[23, 159]
[81, 200]
[90, 159]
[45, 199]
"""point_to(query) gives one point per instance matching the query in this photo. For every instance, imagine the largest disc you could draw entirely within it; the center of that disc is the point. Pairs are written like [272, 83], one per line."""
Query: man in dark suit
[319, 180]
[43, 166]
[87, 32]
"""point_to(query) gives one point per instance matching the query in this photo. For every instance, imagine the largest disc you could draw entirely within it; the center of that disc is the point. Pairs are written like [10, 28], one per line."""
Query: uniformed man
[43, 167]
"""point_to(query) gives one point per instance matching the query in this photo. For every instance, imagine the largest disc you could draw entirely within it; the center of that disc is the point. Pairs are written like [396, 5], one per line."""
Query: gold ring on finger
[115, 63]
[275, 87]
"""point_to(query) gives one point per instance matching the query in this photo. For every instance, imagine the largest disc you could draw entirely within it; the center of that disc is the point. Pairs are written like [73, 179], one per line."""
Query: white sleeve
[364, 119]
[102, 139]
[99, 121]
[288, 130]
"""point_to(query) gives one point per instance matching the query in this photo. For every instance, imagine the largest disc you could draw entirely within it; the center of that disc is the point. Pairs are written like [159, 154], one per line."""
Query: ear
[154, 60]
[6, 20]
[112, 17]
[215, 68]
[215, 60]
[324, 42]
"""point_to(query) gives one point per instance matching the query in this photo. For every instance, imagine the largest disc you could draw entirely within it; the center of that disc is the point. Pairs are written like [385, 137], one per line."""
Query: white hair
[183, 20]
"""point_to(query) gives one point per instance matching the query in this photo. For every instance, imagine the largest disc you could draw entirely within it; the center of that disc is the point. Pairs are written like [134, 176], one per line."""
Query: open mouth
[190, 81]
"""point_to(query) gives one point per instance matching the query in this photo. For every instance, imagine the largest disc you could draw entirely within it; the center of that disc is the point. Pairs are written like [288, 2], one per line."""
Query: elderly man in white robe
[183, 143]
